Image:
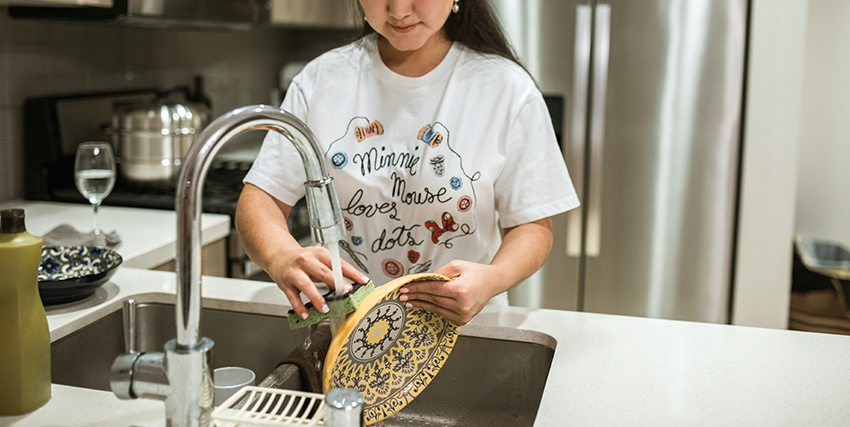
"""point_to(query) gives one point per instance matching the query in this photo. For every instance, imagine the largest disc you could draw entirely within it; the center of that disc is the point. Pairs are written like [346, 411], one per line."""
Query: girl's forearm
[523, 251]
[261, 223]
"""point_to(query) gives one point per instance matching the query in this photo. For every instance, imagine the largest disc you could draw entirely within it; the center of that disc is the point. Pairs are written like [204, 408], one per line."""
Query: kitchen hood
[184, 14]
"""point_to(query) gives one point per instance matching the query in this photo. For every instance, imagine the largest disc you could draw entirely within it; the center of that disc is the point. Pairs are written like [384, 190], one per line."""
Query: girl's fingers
[306, 286]
[450, 315]
[354, 274]
[429, 298]
[295, 302]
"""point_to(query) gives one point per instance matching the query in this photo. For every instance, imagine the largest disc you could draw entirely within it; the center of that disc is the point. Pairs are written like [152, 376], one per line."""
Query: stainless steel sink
[485, 382]
[254, 341]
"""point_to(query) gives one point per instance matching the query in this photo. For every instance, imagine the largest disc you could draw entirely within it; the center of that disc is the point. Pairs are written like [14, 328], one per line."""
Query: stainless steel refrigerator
[653, 96]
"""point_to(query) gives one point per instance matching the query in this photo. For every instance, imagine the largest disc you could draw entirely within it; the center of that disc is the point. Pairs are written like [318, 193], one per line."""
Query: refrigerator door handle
[599, 84]
[578, 121]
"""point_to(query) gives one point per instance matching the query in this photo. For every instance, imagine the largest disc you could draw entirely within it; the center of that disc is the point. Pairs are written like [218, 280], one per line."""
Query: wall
[823, 193]
[43, 58]
[772, 131]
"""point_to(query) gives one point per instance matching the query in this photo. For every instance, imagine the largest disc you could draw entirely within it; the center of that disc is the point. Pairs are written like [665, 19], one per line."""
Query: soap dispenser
[24, 334]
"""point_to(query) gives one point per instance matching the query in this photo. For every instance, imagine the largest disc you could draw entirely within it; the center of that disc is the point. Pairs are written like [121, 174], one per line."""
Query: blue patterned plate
[71, 273]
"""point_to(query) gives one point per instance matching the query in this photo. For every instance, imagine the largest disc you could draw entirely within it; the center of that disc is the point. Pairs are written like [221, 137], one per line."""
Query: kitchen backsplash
[40, 58]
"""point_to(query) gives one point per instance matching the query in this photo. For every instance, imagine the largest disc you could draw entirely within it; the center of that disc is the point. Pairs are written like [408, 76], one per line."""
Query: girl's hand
[523, 250]
[296, 271]
[465, 296]
[261, 223]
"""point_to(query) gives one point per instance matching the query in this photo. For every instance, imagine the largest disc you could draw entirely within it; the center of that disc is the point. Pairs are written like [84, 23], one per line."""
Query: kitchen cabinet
[58, 3]
[179, 14]
[214, 257]
[312, 13]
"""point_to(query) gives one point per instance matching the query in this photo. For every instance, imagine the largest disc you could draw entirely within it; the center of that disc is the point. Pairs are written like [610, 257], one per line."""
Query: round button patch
[456, 183]
[339, 160]
[464, 203]
[392, 268]
[413, 256]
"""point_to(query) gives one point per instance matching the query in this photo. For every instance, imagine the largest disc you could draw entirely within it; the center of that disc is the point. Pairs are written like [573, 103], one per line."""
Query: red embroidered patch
[437, 231]
[413, 256]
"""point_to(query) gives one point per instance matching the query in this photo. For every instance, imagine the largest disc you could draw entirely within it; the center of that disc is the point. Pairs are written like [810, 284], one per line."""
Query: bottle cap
[12, 221]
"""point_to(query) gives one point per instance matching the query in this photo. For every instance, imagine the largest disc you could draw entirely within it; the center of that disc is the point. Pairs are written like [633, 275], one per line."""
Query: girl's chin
[406, 44]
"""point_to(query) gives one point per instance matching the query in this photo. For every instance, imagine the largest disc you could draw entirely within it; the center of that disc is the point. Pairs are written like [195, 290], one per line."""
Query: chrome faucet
[181, 375]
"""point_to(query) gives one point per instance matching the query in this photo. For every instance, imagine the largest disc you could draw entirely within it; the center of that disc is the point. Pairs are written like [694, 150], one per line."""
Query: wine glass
[94, 173]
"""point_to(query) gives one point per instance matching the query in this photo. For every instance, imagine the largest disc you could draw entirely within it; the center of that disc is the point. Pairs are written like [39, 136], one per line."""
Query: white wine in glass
[94, 174]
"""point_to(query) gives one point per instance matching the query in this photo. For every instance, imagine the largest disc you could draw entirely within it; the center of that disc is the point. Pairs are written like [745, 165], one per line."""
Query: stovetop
[221, 192]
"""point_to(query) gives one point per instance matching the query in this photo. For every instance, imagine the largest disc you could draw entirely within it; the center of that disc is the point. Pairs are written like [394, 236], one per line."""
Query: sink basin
[485, 382]
[255, 341]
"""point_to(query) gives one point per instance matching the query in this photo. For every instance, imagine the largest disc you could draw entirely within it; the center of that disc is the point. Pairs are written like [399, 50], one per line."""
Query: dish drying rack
[261, 407]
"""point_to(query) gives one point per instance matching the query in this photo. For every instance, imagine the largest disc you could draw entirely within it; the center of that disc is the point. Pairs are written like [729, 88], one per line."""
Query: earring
[456, 6]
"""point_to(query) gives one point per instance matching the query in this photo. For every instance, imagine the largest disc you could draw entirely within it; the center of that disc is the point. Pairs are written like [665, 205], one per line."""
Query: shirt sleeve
[278, 169]
[534, 183]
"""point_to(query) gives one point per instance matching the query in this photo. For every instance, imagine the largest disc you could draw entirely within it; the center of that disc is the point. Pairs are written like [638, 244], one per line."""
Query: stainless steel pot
[152, 139]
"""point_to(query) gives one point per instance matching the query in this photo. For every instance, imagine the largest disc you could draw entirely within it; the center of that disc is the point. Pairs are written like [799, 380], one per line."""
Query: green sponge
[339, 305]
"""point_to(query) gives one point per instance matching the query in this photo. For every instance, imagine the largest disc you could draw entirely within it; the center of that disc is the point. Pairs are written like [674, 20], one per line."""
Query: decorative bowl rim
[112, 258]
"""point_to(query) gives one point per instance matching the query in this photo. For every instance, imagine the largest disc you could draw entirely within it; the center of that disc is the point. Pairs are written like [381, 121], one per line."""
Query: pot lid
[160, 117]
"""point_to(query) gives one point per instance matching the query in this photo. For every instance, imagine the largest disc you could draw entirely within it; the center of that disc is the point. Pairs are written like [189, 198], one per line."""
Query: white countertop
[148, 236]
[607, 370]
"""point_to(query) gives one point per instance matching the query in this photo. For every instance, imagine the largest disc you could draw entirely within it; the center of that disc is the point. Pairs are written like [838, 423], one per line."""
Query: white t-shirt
[428, 168]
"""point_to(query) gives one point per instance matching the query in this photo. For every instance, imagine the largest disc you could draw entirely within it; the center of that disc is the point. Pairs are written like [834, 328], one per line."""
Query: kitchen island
[607, 370]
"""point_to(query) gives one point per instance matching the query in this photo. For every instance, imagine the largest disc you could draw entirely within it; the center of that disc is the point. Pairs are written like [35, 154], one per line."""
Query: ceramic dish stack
[261, 407]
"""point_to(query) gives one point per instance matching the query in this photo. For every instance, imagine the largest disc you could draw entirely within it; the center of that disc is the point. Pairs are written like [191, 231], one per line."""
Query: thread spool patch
[429, 136]
[372, 129]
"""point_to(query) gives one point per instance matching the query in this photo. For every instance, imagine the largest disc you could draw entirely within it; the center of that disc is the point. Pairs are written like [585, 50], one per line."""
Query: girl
[443, 156]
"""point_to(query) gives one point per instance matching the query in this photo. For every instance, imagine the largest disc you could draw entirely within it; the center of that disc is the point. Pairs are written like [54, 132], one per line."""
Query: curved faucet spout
[181, 375]
[325, 214]
[191, 383]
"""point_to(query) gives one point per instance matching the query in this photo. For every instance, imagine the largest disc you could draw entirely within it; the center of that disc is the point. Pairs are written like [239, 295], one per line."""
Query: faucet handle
[121, 376]
[130, 325]
[140, 375]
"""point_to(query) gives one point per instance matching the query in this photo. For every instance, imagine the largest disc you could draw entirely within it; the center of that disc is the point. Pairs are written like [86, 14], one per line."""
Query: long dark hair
[476, 25]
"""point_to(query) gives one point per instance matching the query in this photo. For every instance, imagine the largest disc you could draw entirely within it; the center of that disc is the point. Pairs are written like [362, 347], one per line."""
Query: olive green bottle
[24, 335]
